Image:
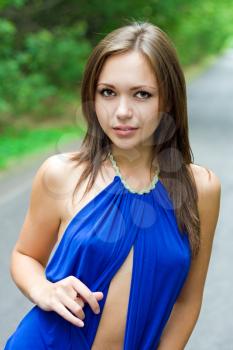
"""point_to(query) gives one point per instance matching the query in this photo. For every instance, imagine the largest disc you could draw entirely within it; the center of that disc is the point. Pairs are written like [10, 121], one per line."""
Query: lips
[124, 128]
[124, 131]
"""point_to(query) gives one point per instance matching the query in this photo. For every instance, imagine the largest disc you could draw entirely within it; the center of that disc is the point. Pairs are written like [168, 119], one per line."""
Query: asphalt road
[210, 105]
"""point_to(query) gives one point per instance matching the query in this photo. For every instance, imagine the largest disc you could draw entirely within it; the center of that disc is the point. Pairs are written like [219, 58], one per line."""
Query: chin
[125, 144]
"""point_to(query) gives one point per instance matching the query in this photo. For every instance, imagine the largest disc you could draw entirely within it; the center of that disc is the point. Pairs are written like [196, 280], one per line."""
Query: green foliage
[60, 55]
[203, 29]
[19, 92]
[46, 62]
[7, 38]
[15, 3]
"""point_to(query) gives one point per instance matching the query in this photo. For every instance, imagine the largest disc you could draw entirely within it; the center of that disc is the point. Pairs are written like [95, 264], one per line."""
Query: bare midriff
[111, 329]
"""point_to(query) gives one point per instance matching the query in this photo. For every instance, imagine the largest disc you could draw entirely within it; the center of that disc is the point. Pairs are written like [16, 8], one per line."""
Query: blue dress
[93, 247]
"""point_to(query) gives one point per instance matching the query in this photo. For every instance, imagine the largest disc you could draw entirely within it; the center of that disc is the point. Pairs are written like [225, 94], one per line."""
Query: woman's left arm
[188, 305]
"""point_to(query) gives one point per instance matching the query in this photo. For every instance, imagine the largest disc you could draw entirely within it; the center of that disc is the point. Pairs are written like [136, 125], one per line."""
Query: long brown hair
[171, 143]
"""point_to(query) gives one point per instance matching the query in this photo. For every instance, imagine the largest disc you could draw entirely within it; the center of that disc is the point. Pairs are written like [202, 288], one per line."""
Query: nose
[124, 110]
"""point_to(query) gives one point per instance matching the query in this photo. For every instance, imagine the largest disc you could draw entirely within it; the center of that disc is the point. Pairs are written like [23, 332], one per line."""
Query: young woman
[133, 216]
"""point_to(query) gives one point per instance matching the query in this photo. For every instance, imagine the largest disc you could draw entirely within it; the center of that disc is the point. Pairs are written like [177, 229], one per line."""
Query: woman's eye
[102, 92]
[144, 94]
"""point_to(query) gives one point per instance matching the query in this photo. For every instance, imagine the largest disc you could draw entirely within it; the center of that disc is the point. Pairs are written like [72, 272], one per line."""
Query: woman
[133, 216]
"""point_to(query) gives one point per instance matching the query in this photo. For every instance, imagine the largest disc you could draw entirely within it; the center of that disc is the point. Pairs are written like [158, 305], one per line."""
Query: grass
[18, 142]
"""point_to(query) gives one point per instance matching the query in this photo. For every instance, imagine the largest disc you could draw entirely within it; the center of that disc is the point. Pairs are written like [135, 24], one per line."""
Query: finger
[86, 294]
[98, 295]
[62, 311]
[80, 301]
[73, 306]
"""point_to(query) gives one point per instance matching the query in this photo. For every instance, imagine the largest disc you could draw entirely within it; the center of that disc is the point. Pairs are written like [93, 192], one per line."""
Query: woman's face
[127, 95]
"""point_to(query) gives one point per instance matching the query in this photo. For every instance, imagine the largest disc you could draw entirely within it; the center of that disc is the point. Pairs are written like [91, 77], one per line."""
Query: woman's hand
[67, 297]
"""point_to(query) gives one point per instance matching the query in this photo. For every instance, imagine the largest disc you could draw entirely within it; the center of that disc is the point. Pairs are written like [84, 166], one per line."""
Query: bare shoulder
[57, 172]
[207, 182]
[209, 194]
[57, 167]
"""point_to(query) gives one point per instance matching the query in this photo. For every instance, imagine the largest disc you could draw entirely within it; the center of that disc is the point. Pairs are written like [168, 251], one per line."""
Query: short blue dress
[93, 247]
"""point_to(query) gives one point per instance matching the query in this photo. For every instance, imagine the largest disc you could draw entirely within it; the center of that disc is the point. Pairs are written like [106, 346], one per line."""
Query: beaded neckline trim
[144, 190]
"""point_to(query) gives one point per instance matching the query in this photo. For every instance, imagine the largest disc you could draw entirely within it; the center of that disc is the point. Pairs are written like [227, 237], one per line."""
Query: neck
[134, 158]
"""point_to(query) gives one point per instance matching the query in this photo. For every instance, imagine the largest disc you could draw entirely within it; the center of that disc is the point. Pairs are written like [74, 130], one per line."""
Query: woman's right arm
[36, 240]
[39, 231]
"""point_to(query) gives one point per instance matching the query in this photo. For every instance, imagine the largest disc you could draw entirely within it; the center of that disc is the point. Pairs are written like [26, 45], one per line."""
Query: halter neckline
[145, 189]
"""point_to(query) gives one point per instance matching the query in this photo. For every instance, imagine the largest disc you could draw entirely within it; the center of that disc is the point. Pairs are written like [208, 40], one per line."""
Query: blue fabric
[93, 247]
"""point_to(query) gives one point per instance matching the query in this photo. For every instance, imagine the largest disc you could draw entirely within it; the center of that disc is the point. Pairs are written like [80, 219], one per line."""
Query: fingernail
[81, 324]
[97, 311]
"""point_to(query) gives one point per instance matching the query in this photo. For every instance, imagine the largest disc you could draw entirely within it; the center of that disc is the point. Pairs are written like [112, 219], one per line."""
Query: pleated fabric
[93, 247]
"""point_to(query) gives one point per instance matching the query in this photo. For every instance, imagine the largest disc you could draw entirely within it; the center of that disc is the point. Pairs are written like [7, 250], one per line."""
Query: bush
[48, 62]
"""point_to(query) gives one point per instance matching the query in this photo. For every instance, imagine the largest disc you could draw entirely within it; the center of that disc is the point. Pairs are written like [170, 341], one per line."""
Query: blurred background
[43, 49]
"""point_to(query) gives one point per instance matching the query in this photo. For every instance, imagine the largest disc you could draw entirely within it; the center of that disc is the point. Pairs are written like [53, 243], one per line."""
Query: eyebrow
[133, 88]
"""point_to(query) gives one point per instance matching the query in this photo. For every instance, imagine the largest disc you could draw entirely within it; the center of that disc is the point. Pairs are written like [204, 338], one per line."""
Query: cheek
[103, 114]
[150, 116]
